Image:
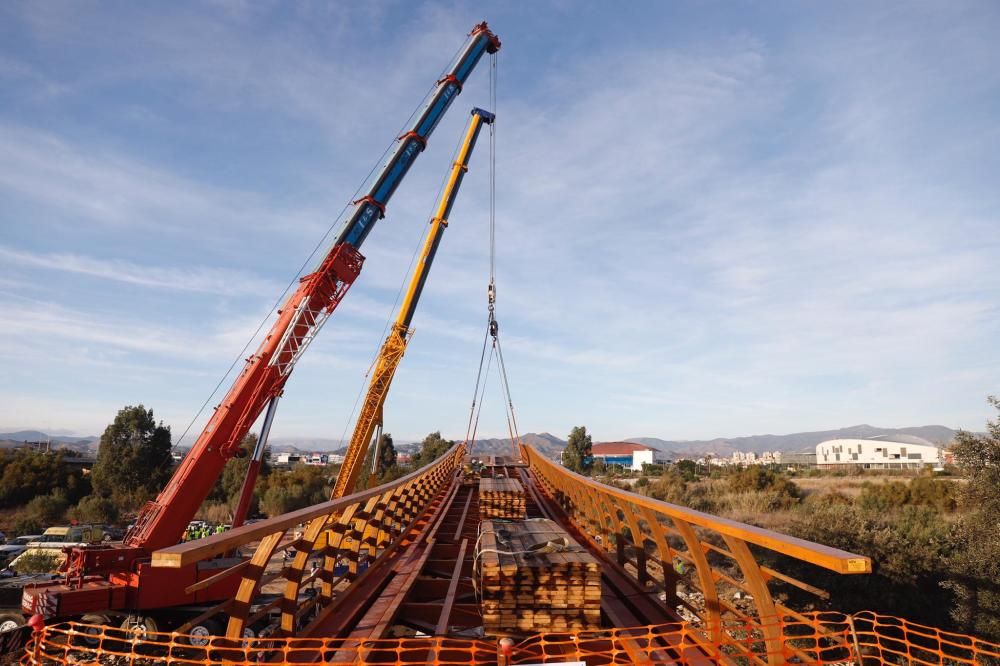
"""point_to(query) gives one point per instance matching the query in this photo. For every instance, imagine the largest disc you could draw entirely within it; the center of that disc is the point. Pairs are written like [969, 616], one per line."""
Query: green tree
[432, 448]
[976, 562]
[42, 511]
[133, 461]
[229, 484]
[386, 462]
[45, 510]
[25, 474]
[688, 469]
[95, 509]
[578, 454]
[297, 488]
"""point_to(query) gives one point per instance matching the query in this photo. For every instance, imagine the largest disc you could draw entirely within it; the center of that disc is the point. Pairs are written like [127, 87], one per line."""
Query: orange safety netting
[818, 638]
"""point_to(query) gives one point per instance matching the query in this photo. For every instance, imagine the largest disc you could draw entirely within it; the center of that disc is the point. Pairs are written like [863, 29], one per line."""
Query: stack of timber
[532, 576]
[501, 498]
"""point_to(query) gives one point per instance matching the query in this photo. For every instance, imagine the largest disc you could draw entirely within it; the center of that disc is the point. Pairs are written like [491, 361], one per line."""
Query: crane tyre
[140, 628]
[11, 620]
[200, 635]
[92, 635]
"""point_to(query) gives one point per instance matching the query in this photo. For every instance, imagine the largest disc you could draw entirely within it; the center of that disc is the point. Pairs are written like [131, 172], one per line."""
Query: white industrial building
[886, 452]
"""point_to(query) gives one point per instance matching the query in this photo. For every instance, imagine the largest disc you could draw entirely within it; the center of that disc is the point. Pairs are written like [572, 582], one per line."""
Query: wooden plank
[533, 576]
[501, 498]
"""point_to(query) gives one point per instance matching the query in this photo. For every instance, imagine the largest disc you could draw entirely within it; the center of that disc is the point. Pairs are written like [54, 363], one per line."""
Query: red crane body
[119, 576]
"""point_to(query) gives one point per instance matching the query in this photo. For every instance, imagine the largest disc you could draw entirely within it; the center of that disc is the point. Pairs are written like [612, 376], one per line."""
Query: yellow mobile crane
[370, 418]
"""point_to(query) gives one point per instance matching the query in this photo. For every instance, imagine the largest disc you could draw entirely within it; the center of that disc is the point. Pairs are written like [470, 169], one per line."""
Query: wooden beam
[184, 554]
[212, 580]
[449, 599]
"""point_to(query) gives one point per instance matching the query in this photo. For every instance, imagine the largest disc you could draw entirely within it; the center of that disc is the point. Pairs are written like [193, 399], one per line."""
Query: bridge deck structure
[384, 576]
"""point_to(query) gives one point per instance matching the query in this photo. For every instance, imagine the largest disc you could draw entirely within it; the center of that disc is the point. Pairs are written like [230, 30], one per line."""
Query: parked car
[16, 546]
[55, 539]
[112, 533]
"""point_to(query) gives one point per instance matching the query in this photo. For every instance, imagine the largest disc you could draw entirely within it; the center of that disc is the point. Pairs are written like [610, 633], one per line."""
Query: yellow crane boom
[394, 346]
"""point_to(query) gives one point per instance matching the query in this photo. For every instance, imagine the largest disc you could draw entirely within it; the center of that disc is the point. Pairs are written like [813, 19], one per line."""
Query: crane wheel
[92, 635]
[140, 626]
[11, 620]
[201, 634]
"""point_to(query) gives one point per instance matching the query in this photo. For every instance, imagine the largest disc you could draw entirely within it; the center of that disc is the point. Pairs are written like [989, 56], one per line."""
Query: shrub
[48, 509]
[26, 524]
[929, 491]
[31, 563]
[670, 487]
[768, 490]
[831, 498]
[700, 499]
[216, 512]
[884, 496]
[656, 469]
[743, 506]
[295, 489]
[642, 482]
[688, 469]
[95, 509]
[921, 491]
[908, 548]
[976, 563]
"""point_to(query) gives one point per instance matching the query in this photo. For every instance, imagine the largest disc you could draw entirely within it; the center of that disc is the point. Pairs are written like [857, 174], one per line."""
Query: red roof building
[628, 454]
[619, 448]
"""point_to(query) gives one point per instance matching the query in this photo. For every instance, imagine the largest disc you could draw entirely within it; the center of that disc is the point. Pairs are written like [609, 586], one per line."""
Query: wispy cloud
[198, 279]
[774, 225]
[111, 189]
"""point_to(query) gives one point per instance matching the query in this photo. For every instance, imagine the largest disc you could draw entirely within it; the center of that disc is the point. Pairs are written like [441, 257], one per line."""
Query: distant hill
[793, 442]
[547, 443]
[550, 445]
[293, 444]
[10, 440]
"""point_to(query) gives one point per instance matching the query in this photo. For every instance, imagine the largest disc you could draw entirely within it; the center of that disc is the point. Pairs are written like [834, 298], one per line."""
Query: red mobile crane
[119, 577]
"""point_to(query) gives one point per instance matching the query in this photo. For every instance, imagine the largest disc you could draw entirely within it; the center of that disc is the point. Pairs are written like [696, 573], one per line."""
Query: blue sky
[714, 218]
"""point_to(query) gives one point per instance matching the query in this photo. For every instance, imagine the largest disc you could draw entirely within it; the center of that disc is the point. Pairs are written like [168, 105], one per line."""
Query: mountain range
[551, 445]
[84, 445]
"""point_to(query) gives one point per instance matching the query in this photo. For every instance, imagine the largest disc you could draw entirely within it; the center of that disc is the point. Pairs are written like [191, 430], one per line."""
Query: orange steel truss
[817, 638]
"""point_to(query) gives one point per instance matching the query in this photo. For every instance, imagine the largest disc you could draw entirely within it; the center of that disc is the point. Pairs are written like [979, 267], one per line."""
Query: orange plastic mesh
[816, 638]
